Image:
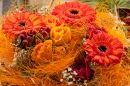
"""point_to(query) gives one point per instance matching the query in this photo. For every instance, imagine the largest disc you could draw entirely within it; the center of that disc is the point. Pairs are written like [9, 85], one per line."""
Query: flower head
[42, 51]
[21, 22]
[60, 35]
[74, 13]
[103, 49]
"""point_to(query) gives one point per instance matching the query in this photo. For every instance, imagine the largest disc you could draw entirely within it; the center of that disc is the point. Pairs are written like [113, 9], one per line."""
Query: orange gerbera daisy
[74, 13]
[21, 22]
[103, 49]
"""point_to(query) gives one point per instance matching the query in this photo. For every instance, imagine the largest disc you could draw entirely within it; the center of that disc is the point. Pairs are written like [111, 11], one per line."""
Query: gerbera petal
[118, 52]
[100, 61]
[114, 42]
[89, 49]
[106, 60]
[68, 4]
[11, 20]
[7, 26]
[92, 54]
[102, 37]
[26, 15]
[114, 58]
[95, 38]
[118, 45]
[89, 42]
[18, 16]
[84, 7]
[33, 17]
[76, 4]
[37, 22]
[96, 58]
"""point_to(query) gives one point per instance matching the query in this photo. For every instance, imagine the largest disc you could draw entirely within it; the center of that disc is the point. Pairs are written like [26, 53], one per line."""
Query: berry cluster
[25, 40]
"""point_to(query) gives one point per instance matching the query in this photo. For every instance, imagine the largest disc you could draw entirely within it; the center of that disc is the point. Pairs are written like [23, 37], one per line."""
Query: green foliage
[110, 3]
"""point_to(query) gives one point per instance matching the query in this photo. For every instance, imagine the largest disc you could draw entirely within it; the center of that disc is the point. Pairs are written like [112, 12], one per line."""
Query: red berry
[48, 29]
[40, 30]
[25, 42]
[125, 48]
[37, 41]
[29, 39]
[44, 34]
[22, 9]
[34, 32]
[25, 33]
[22, 36]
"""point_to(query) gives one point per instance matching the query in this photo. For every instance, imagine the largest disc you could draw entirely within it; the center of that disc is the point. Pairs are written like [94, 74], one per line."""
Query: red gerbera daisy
[21, 22]
[103, 49]
[74, 13]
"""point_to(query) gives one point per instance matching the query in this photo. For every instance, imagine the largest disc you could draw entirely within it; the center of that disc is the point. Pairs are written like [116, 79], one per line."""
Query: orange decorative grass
[114, 75]
[105, 19]
[6, 50]
[55, 66]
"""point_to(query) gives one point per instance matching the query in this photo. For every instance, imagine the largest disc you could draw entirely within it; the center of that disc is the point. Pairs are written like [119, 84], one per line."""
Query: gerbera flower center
[74, 11]
[102, 48]
[22, 24]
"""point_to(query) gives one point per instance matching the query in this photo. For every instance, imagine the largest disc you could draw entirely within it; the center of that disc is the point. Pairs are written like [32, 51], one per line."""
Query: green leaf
[123, 4]
[110, 3]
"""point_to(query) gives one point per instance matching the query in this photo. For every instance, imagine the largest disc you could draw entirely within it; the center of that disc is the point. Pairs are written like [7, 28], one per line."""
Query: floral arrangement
[72, 44]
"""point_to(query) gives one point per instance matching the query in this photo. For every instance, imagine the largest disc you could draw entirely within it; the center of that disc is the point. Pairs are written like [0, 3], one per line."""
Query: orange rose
[60, 35]
[42, 51]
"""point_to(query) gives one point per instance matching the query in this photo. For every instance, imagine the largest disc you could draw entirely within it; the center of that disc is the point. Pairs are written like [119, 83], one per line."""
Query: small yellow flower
[60, 35]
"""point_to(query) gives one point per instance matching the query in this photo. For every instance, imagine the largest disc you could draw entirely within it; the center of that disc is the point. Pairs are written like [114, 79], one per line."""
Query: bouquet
[70, 44]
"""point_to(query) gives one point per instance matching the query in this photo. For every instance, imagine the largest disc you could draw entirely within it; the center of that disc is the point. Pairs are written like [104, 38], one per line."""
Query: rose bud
[60, 35]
